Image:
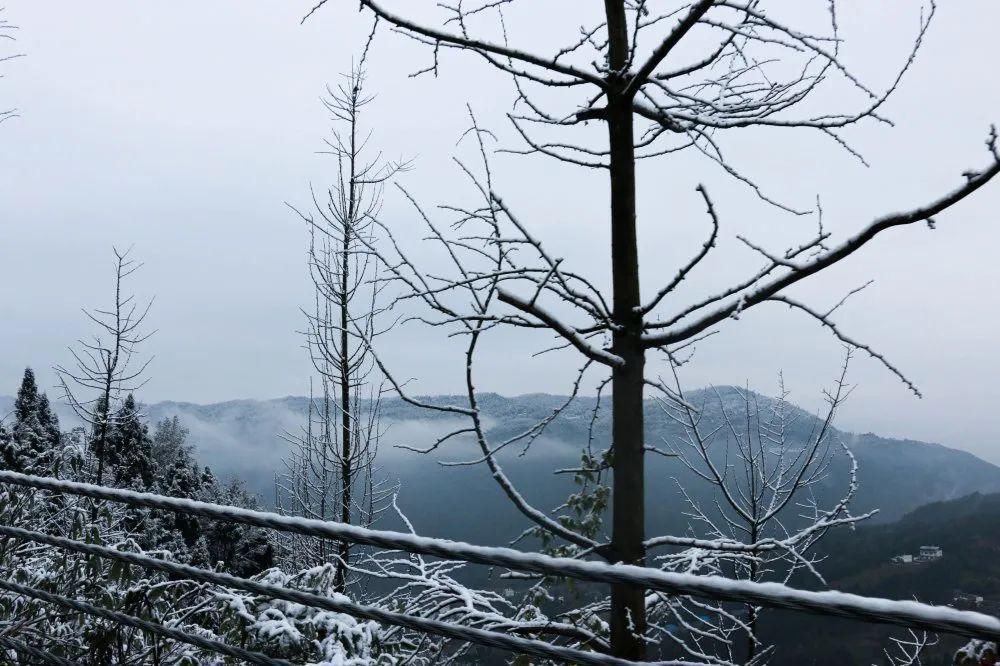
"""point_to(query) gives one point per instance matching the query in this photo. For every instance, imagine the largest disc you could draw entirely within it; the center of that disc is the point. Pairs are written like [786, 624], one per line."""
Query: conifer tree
[183, 532]
[169, 437]
[27, 396]
[34, 438]
[5, 445]
[49, 422]
[242, 550]
[130, 454]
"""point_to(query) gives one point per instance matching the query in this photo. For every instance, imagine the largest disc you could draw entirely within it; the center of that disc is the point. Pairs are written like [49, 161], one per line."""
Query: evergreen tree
[100, 431]
[184, 531]
[243, 550]
[34, 439]
[49, 422]
[169, 438]
[129, 458]
[6, 446]
[208, 483]
[27, 396]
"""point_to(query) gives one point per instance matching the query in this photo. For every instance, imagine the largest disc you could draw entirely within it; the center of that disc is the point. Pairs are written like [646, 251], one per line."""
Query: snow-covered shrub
[109, 584]
[978, 653]
[290, 630]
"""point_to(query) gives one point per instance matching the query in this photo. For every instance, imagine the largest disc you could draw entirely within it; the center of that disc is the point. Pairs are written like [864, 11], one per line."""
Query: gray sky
[182, 127]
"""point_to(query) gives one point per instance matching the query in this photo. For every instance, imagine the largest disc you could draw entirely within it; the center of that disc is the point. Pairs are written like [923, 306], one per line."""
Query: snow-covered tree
[292, 631]
[762, 458]
[7, 454]
[130, 449]
[978, 653]
[169, 438]
[634, 84]
[33, 443]
[107, 366]
[76, 636]
[330, 472]
[183, 532]
[240, 549]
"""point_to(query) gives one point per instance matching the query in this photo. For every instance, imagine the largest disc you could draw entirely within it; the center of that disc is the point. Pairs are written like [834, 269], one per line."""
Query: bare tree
[763, 518]
[331, 472]
[637, 70]
[108, 365]
[7, 35]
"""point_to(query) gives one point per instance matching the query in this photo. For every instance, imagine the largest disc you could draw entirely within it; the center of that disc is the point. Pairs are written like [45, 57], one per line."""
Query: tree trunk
[346, 421]
[102, 436]
[751, 609]
[102, 430]
[346, 426]
[628, 609]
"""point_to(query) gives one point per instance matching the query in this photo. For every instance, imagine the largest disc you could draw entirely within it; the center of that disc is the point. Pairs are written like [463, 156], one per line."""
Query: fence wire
[33, 652]
[88, 608]
[909, 614]
[337, 604]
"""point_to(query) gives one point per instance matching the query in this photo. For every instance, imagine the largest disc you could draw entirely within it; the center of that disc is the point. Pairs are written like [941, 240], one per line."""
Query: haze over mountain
[244, 438]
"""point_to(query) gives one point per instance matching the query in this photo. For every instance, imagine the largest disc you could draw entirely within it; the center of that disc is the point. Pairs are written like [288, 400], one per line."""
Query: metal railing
[908, 614]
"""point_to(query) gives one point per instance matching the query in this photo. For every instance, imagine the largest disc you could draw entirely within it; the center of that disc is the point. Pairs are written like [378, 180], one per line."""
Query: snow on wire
[145, 625]
[910, 614]
[41, 655]
[338, 603]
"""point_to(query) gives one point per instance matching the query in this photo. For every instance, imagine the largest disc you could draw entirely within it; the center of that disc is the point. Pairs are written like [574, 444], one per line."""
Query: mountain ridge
[243, 437]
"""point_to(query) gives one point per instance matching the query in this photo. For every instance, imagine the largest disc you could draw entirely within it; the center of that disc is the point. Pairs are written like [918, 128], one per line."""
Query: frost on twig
[601, 89]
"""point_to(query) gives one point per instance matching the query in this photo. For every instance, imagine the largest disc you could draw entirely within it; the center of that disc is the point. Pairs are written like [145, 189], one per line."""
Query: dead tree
[640, 72]
[108, 365]
[331, 472]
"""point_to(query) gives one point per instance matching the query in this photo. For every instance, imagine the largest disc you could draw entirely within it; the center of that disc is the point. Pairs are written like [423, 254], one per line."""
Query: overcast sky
[183, 127]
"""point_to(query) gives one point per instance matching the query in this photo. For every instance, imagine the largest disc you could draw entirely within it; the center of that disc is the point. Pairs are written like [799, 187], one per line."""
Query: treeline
[162, 461]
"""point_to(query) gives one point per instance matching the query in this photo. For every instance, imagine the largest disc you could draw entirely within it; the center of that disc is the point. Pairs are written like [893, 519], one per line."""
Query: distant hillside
[243, 438]
[899, 477]
[968, 529]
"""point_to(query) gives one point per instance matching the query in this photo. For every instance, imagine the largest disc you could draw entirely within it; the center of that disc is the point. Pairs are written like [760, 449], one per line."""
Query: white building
[966, 599]
[926, 554]
[931, 552]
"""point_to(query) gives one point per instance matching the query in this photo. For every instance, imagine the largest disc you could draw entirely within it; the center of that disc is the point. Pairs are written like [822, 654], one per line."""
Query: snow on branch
[440, 37]
[824, 319]
[144, 625]
[337, 603]
[553, 322]
[807, 268]
[903, 613]
[676, 35]
[33, 652]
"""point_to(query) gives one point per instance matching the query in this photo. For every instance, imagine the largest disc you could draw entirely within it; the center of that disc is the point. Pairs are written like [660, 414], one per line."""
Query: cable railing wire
[87, 608]
[479, 636]
[910, 614]
[33, 652]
